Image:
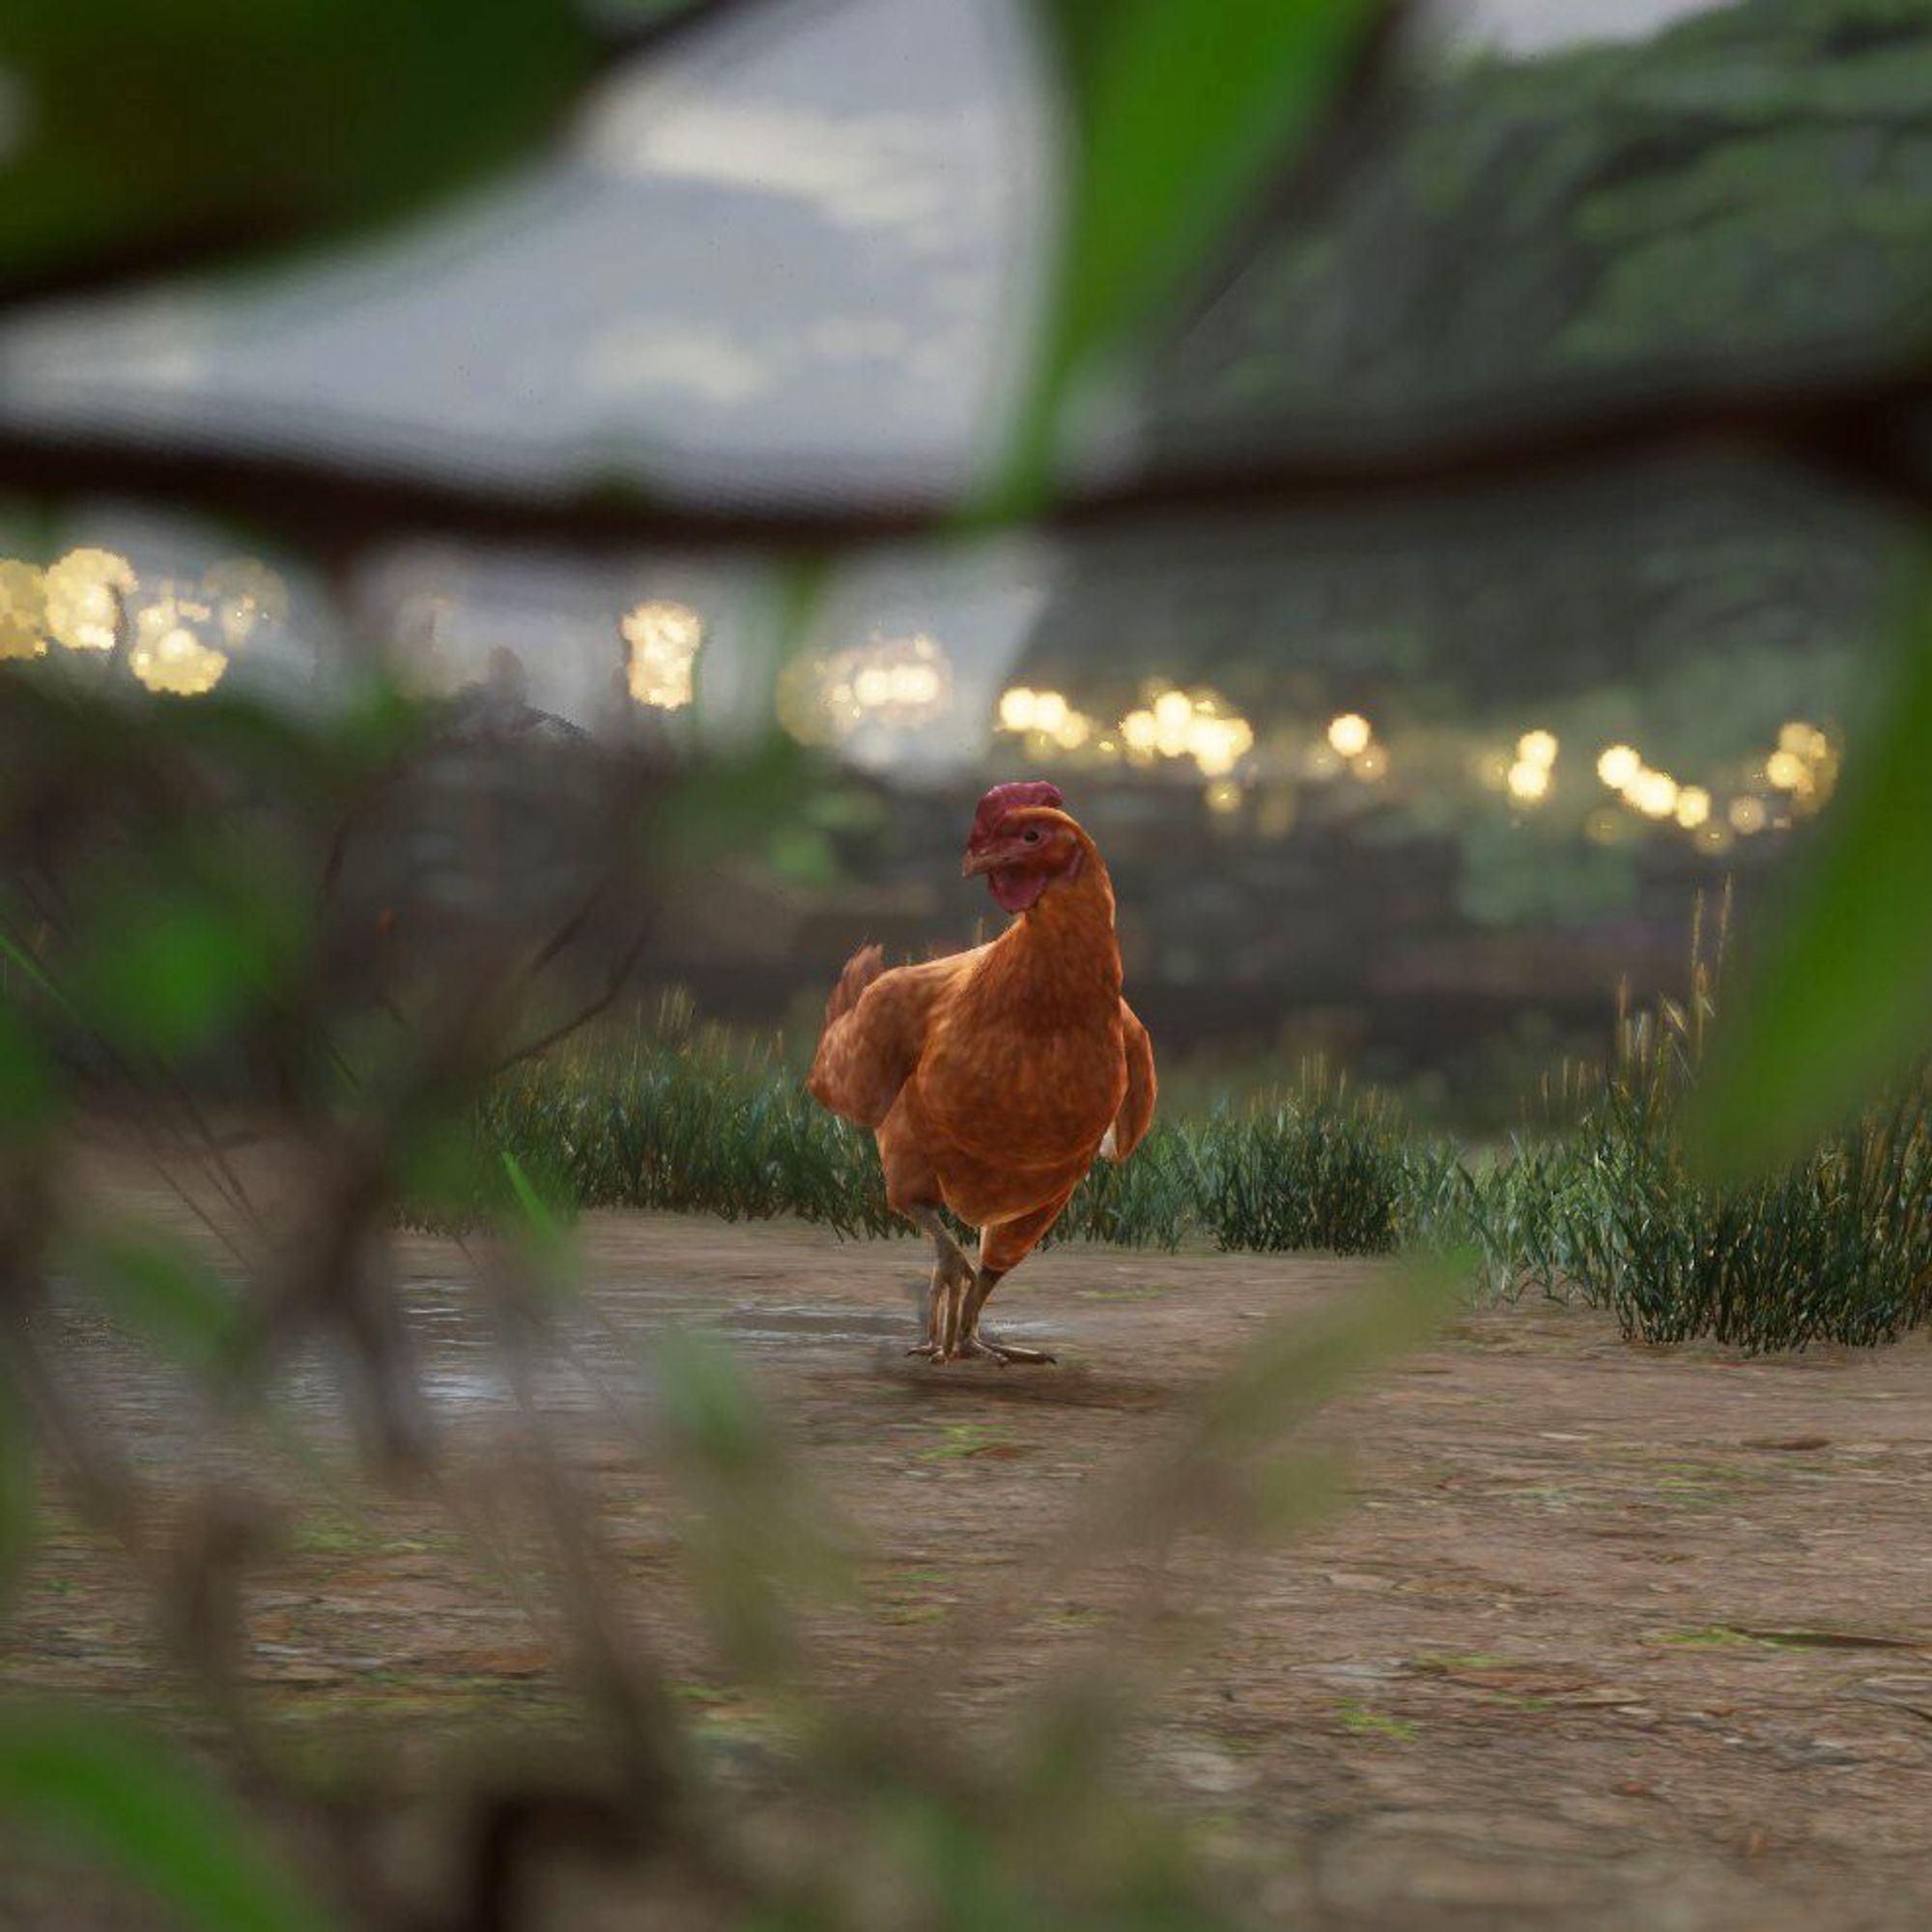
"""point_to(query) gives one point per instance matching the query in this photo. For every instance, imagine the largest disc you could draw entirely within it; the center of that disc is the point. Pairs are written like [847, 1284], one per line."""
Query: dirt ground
[1605, 1636]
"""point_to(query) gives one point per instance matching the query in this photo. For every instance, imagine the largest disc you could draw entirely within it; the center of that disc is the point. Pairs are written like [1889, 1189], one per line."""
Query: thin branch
[621, 969]
[1858, 428]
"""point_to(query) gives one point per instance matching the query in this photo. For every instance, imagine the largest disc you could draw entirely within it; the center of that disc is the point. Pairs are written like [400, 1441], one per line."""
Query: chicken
[993, 1079]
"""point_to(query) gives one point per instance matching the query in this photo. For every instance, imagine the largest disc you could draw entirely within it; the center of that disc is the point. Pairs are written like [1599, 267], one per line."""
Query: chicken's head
[1022, 842]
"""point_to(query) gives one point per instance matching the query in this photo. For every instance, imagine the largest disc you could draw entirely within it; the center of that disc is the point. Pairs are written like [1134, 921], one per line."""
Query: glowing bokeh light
[893, 683]
[87, 592]
[168, 653]
[1748, 815]
[1693, 806]
[1537, 748]
[664, 640]
[1618, 765]
[1528, 782]
[23, 610]
[1017, 708]
[1654, 794]
[1349, 734]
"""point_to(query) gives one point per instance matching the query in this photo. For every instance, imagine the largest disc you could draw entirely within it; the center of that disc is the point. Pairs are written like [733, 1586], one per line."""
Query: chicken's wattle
[1014, 888]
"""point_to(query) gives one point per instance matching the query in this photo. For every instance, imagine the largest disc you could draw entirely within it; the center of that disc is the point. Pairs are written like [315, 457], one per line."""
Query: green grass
[1593, 1199]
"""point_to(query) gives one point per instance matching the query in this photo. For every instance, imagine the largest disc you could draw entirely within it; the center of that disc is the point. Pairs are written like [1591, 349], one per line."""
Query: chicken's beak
[976, 863]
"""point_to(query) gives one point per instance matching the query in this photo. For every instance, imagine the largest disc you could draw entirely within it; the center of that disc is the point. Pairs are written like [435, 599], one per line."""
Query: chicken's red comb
[1014, 797]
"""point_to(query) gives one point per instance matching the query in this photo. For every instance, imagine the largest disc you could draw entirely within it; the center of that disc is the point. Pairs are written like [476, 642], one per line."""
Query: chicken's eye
[1031, 836]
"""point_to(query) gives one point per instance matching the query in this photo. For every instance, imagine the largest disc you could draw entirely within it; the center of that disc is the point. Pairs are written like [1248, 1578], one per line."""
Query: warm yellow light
[1073, 732]
[1140, 731]
[1049, 712]
[664, 640]
[23, 610]
[1748, 815]
[1818, 748]
[1618, 765]
[893, 683]
[1224, 795]
[1654, 794]
[1693, 806]
[1796, 738]
[86, 592]
[1786, 771]
[1493, 769]
[1537, 748]
[166, 655]
[1369, 764]
[1528, 782]
[1016, 709]
[1349, 734]
[1220, 744]
[914, 683]
[1716, 837]
[1172, 724]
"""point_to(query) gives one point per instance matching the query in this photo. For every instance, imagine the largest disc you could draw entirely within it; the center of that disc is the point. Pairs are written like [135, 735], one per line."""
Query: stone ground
[1601, 1637]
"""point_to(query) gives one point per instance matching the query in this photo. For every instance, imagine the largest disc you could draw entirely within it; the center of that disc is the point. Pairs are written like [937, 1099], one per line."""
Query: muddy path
[1604, 1637]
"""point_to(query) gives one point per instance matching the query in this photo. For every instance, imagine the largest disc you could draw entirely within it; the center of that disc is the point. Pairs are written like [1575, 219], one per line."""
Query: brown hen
[994, 1079]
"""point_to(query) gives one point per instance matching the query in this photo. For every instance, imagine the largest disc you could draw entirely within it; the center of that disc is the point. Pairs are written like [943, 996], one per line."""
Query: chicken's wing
[874, 1033]
[1136, 1114]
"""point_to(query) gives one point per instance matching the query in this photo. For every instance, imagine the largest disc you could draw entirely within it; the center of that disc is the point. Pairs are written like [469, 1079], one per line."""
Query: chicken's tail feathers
[860, 970]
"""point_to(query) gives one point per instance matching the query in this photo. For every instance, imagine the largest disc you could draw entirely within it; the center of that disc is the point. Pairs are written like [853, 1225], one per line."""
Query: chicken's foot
[974, 1341]
[979, 1343]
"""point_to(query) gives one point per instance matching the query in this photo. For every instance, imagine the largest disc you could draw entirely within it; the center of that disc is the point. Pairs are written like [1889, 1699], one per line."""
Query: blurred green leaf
[131, 1799]
[714, 1417]
[160, 1289]
[1836, 1000]
[542, 1228]
[1178, 114]
[204, 122]
[168, 968]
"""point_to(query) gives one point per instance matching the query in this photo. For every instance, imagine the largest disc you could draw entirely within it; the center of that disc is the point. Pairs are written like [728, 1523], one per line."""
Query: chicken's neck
[1063, 954]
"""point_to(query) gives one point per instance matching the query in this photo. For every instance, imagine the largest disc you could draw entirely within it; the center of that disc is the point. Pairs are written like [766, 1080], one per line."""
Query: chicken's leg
[973, 1343]
[952, 1282]
[1002, 1246]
